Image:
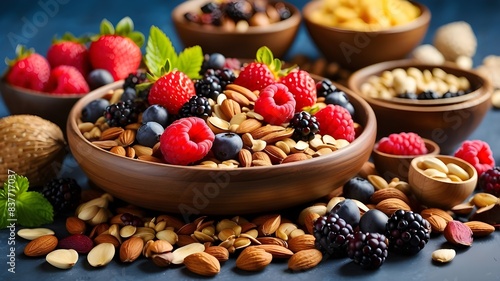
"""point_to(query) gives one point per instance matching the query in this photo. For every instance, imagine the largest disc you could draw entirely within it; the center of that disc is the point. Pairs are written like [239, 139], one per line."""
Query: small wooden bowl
[278, 37]
[191, 190]
[391, 166]
[446, 124]
[356, 49]
[51, 107]
[432, 192]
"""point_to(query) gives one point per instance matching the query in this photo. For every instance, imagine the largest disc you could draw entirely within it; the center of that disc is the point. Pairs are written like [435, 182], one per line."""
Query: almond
[101, 254]
[253, 259]
[75, 225]
[111, 133]
[107, 238]
[302, 242]
[436, 211]
[62, 258]
[386, 193]
[105, 144]
[278, 135]
[33, 233]
[118, 150]
[272, 241]
[180, 253]
[391, 205]
[248, 125]
[220, 253]
[131, 249]
[41, 246]
[266, 130]
[295, 157]
[479, 228]
[438, 224]
[278, 252]
[245, 157]
[270, 225]
[202, 263]
[127, 137]
[230, 108]
[242, 90]
[305, 259]
[241, 99]
[276, 154]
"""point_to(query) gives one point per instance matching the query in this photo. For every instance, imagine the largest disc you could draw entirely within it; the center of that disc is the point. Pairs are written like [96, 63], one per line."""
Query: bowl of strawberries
[208, 135]
[49, 85]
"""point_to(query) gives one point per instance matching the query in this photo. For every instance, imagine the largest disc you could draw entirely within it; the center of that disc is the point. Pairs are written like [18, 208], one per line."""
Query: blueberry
[99, 77]
[215, 61]
[226, 146]
[95, 109]
[340, 98]
[155, 113]
[128, 94]
[373, 221]
[149, 134]
[348, 211]
[358, 188]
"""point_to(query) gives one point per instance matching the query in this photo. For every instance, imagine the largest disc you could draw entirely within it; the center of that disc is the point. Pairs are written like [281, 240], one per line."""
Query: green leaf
[159, 48]
[190, 61]
[124, 26]
[137, 37]
[106, 27]
[32, 209]
[264, 55]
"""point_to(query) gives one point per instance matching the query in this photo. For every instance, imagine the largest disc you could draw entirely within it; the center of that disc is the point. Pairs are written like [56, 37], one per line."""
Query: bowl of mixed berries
[215, 135]
[49, 85]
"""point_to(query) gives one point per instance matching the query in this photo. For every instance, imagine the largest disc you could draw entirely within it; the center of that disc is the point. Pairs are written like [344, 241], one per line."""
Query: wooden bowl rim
[178, 19]
[428, 143]
[369, 129]
[483, 92]
[446, 159]
[423, 19]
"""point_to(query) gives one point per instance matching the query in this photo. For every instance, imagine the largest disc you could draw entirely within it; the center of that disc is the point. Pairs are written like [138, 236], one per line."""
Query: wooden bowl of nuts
[274, 25]
[198, 189]
[446, 124]
[441, 181]
[353, 40]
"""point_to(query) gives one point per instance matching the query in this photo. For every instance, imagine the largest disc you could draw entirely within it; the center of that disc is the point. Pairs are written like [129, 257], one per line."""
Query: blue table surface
[34, 23]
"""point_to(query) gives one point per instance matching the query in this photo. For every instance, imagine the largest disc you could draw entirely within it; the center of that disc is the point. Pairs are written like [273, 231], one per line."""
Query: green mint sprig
[125, 28]
[23, 207]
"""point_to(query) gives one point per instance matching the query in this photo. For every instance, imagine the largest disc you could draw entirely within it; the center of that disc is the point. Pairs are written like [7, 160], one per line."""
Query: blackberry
[325, 87]
[428, 95]
[331, 234]
[130, 219]
[122, 113]
[408, 232]
[134, 79]
[238, 10]
[214, 82]
[489, 181]
[305, 125]
[196, 106]
[64, 194]
[369, 250]
[209, 7]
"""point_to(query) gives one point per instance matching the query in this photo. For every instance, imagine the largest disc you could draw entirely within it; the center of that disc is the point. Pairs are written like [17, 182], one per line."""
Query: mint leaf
[190, 61]
[124, 26]
[32, 209]
[3, 209]
[159, 48]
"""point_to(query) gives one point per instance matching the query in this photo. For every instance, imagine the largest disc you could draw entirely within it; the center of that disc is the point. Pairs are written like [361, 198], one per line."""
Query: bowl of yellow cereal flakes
[357, 33]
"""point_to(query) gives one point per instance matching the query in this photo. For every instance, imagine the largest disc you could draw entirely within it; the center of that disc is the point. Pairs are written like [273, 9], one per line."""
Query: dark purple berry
[226, 146]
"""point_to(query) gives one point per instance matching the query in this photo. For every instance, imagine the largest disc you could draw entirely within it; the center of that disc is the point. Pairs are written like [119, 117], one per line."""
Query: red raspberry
[186, 140]
[172, 91]
[65, 79]
[334, 120]
[28, 70]
[303, 88]
[402, 144]
[276, 104]
[489, 181]
[255, 76]
[478, 154]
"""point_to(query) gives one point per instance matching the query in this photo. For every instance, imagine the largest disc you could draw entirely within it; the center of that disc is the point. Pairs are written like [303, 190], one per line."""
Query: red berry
[276, 104]
[117, 54]
[69, 53]
[303, 88]
[65, 79]
[335, 120]
[171, 91]
[478, 154]
[29, 70]
[489, 181]
[255, 76]
[186, 140]
[402, 144]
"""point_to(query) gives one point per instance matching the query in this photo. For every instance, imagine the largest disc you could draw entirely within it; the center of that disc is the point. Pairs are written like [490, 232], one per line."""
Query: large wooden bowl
[437, 193]
[446, 124]
[194, 190]
[356, 49]
[51, 107]
[278, 37]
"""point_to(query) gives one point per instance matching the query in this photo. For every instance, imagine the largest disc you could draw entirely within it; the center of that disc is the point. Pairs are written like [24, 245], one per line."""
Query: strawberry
[170, 73]
[66, 79]
[171, 91]
[303, 88]
[28, 70]
[69, 50]
[117, 50]
[261, 73]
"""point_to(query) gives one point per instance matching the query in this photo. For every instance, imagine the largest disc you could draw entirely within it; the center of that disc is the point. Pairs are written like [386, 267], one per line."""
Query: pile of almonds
[203, 245]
